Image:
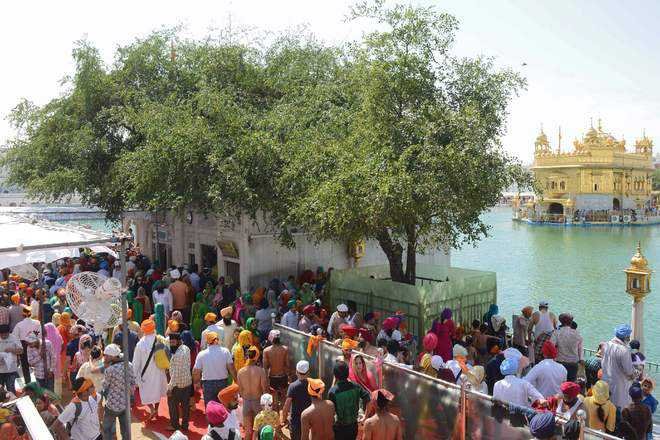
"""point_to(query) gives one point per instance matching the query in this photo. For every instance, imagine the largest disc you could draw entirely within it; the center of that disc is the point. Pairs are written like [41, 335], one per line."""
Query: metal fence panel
[428, 407]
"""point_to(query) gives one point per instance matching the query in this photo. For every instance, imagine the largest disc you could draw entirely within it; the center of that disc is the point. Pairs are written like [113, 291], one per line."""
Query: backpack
[161, 354]
[76, 415]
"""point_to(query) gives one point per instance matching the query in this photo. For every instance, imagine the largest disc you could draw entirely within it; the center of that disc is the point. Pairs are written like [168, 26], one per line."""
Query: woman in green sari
[197, 312]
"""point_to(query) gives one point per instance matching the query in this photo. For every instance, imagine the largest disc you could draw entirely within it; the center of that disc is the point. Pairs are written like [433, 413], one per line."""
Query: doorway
[556, 208]
[163, 261]
[233, 270]
[616, 204]
[209, 257]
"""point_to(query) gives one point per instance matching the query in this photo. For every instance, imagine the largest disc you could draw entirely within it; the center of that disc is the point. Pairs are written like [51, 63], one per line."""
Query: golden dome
[639, 261]
[569, 203]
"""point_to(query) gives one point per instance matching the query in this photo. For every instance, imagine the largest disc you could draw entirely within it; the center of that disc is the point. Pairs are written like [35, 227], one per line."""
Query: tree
[406, 150]
[390, 138]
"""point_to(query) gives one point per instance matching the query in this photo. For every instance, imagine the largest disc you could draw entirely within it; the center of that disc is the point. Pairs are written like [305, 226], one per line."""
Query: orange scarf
[313, 344]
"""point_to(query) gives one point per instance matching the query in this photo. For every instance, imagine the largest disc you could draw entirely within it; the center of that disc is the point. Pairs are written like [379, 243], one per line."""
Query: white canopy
[27, 240]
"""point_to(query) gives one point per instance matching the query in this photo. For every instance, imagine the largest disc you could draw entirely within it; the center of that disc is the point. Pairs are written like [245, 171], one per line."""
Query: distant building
[598, 175]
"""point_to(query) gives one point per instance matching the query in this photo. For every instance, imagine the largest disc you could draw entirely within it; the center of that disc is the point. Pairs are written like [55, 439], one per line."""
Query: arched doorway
[556, 208]
[616, 204]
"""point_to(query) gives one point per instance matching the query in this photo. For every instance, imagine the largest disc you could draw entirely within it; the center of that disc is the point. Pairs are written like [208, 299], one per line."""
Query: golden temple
[599, 175]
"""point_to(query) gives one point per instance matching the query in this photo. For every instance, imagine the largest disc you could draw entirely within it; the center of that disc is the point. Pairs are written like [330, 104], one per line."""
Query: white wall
[262, 258]
[268, 259]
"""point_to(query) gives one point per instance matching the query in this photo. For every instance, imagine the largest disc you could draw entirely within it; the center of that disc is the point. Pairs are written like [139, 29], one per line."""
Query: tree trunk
[394, 252]
[411, 255]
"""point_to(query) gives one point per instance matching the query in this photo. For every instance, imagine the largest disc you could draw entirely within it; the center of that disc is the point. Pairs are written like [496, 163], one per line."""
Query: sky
[583, 59]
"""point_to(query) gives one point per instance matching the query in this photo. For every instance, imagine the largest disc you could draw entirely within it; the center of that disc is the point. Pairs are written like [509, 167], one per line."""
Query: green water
[97, 224]
[577, 269]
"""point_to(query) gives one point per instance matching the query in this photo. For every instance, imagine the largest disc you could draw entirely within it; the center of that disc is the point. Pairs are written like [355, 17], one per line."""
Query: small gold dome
[569, 203]
[639, 261]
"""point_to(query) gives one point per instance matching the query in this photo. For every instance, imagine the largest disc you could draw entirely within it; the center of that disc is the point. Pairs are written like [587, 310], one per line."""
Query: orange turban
[173, 325]
[65, 319]
[129, 313]
[16, 298]
[226, 312]
[211, 337]
[210, 317]
[315, 387]
[228, 394]
[148, 327]
[22, 285]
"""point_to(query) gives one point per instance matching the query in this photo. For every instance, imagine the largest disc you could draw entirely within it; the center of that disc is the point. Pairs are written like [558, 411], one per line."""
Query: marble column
[637, 322]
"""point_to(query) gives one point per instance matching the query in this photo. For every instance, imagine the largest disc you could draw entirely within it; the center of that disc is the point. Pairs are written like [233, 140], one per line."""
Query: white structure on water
[247, 251]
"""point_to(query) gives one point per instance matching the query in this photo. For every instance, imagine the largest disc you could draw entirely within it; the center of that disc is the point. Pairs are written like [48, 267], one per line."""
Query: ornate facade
[598, 175]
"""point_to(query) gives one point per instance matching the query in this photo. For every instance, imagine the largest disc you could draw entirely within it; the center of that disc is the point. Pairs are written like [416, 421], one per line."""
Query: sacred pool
[577, 269]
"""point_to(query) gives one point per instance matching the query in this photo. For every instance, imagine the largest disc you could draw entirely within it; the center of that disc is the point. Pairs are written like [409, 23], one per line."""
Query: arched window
[562, 185]
[595, 187]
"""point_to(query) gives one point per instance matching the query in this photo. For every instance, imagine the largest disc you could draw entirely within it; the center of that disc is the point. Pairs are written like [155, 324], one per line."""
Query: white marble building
[243, 249]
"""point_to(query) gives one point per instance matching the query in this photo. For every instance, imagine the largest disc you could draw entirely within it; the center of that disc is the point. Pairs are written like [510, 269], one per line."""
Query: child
[638, 359]
[647, 386]
[267, 416]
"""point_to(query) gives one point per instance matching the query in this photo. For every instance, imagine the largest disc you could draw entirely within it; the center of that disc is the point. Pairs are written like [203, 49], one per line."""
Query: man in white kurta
[153, 383]
[618, 369]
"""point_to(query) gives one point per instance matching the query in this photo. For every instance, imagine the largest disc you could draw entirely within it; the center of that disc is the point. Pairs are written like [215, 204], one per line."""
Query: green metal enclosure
[467, 292]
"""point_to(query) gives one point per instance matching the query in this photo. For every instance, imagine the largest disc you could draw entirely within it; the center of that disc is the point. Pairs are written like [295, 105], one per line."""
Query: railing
[428, 407]
[650, 366]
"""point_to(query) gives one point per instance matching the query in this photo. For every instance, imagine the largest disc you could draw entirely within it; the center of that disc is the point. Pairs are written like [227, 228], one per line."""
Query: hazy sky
[584, 58]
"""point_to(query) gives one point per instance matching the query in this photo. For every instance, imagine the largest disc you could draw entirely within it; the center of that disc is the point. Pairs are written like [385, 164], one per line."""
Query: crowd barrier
[429, 408]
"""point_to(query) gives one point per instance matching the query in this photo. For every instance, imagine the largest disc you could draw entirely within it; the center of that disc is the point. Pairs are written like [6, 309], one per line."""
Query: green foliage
[389, 138]
[656, 180]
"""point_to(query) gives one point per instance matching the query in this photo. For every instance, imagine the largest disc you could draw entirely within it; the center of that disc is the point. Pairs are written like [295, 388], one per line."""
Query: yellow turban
[211, 337]
[256, 358]
[210, 317]
[56, 319]
[148, 327]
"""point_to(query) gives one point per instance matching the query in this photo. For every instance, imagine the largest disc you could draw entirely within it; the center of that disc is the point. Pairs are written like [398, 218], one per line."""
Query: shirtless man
[317, 420]
[252, 384]
[276, 364]
[383, 425]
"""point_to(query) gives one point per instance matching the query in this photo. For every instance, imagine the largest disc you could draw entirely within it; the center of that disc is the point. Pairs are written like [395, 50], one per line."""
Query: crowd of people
[192, 335]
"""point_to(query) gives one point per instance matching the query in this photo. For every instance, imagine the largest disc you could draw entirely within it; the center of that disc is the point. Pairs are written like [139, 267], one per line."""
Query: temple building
[599, 179]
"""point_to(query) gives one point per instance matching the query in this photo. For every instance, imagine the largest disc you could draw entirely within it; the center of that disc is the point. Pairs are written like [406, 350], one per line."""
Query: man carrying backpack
[149, 371]
[80, 418]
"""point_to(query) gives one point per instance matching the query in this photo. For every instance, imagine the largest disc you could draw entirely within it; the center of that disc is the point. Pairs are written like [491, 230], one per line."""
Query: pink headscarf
[366, 380]
[56, 339]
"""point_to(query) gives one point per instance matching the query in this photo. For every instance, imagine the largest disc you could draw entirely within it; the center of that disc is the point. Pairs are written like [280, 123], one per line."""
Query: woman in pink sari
[359, 373]
[444, 330]
[56, 339]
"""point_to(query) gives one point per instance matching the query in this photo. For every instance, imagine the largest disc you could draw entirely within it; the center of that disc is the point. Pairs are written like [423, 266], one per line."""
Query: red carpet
[197, 426]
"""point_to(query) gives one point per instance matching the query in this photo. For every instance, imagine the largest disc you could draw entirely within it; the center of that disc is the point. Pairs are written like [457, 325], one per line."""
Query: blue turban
[635, 392]
[622, 331]
[509, 366]
[103, 265]
[542, 425]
